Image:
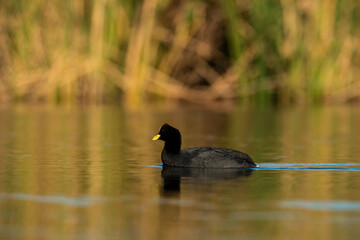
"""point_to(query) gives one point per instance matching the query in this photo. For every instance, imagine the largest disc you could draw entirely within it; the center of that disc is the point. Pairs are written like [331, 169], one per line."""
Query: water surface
[94, 173]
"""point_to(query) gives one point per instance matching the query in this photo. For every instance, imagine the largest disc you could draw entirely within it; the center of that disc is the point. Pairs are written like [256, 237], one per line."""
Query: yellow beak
[156, 137]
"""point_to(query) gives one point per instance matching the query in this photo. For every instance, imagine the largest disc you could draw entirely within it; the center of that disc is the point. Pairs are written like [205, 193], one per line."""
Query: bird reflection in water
[172, 175]
[174, 207]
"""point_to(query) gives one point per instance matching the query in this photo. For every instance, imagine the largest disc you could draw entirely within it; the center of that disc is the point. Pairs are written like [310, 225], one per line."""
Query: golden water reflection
[82, 173]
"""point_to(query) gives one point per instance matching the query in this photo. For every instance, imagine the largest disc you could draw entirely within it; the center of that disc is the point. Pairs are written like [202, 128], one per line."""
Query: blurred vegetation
[199, 51]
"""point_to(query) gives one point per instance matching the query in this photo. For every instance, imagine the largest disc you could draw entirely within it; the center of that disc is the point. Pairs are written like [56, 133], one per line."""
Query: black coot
[198, 157]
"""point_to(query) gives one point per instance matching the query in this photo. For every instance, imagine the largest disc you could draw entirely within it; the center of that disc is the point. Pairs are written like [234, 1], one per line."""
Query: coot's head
[167, 133]
[171, 136]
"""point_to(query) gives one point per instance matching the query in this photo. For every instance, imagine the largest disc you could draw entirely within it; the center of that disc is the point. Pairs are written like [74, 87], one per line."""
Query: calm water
[93, 173]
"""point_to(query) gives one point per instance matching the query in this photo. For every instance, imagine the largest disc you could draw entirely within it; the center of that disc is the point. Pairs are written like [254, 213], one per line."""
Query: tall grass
[200, 51]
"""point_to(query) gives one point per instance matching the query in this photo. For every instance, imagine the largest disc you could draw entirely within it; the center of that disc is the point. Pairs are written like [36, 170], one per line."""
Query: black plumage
[198, 157]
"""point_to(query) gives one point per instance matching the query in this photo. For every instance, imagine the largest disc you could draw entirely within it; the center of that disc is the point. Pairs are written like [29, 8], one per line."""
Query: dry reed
[200, 51]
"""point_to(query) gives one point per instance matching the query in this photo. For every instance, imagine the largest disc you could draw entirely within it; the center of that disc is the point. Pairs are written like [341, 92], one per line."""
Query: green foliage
[200, 51]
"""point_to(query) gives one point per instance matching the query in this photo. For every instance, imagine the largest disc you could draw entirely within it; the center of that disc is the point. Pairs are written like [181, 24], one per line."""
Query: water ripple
[302, 166]
[310, 166]
[82, 201]
[323, 205]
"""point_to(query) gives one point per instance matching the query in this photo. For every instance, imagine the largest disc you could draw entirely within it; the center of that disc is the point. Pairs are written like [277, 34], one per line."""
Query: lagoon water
[93, 173]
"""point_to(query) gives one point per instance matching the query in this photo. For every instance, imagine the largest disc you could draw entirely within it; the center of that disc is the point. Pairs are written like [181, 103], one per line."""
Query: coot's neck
[174, 145]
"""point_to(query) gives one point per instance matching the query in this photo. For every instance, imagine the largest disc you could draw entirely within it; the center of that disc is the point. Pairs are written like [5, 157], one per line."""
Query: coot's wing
[207, 157]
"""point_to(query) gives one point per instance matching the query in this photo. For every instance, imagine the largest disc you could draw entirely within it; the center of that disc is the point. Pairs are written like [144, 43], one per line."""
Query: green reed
[95, 51]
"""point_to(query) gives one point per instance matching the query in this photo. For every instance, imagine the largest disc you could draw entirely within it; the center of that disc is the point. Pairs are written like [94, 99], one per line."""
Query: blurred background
[199, 51]
[269, 78]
